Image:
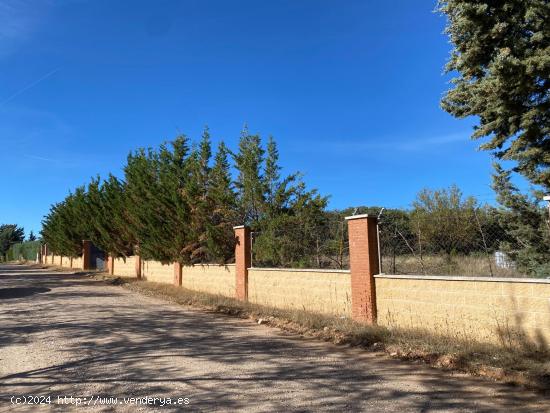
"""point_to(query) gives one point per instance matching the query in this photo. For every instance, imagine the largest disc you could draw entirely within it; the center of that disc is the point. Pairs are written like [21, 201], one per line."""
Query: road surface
[64, 335]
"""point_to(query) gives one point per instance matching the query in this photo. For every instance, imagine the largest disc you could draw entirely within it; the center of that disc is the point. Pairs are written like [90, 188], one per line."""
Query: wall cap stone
[300, 270]
[459, 278]
[357, 216]
[239, 226]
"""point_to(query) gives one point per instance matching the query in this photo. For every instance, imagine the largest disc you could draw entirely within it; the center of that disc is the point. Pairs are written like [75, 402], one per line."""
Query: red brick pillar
[45, 254]
[177, 274]
[363, 257]
[86, 255]
[242, 261]
[111, 265]
[138, 267]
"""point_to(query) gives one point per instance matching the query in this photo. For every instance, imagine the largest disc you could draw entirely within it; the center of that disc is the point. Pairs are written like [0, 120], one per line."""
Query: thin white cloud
[41, 158]
[402, 144]
[29, 86]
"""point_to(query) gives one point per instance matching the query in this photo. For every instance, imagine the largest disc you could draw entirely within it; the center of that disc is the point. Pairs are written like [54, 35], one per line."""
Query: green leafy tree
[9, 234]
[501, 54]
[31, 237]
[445, 221]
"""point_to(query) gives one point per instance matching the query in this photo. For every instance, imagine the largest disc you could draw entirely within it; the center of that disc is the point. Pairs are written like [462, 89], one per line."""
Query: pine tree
[501, 51]
[31, 237]
[525, 224]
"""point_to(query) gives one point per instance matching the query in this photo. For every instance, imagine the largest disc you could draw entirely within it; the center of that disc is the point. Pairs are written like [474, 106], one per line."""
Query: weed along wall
[321, 291]
[507, 311]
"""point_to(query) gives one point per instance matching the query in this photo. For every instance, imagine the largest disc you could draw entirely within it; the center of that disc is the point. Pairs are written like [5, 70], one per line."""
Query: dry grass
[461, 265]
[529, 367]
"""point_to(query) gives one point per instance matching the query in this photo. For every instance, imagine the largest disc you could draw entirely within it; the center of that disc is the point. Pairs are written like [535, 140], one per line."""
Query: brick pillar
[111, 265]
[86, 255]
[363, 257]
[242, 261]
[138, 267]
[177, 274]
[45, 254]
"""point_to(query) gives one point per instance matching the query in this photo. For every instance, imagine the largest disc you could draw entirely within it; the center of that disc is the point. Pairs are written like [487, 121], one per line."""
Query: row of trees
[445, 224]
[10, 234]
[180, 202]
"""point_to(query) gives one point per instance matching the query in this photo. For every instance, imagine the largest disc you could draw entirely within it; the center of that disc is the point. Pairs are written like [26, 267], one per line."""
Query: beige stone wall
[77, 263]
[485, 309]
[125, 267]
[210, 278]
[158, 272]
[65, 262]
[320, 291]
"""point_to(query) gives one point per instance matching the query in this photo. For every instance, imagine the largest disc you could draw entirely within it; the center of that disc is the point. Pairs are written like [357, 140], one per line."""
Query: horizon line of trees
[180, 203]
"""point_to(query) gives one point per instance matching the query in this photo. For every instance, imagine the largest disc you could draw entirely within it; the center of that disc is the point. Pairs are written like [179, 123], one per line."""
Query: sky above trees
[351, 94]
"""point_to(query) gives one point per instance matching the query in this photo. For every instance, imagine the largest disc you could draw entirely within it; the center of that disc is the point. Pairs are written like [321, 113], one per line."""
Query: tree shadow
[112, 342]
[20, 292]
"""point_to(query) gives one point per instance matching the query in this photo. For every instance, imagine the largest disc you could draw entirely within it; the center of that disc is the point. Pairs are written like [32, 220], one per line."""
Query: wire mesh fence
[470, 243]
[324, 247]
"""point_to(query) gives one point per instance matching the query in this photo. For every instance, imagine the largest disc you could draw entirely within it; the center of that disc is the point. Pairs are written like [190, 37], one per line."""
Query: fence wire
[474, 245]
[286, 247]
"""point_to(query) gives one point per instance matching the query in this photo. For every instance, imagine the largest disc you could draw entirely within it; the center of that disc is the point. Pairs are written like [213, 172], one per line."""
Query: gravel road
[71, 336]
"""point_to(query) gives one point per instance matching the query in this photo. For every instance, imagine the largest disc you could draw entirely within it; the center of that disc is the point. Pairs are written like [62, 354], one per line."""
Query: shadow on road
[20, 292]
[123, 342]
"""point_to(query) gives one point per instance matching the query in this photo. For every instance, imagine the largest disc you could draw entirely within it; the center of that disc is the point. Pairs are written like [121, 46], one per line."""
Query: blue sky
[350, 90]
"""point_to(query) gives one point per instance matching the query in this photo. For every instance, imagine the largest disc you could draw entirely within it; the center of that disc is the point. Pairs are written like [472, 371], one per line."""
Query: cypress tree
[223, 209]
[249, 184]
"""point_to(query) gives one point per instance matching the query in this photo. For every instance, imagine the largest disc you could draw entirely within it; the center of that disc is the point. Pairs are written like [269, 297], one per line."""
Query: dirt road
[67, 335]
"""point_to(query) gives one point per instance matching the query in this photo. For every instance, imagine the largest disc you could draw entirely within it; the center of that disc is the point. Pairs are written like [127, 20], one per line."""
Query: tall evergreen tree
[249, 184]
[195, 193]
[501, 51]
[525, 224]
[223, 213]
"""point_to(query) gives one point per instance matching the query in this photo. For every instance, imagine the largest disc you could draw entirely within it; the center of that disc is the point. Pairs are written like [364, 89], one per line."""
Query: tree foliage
[526, 226]
[9, 234]
[502, 57]
[445, 221]
[179, 203]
